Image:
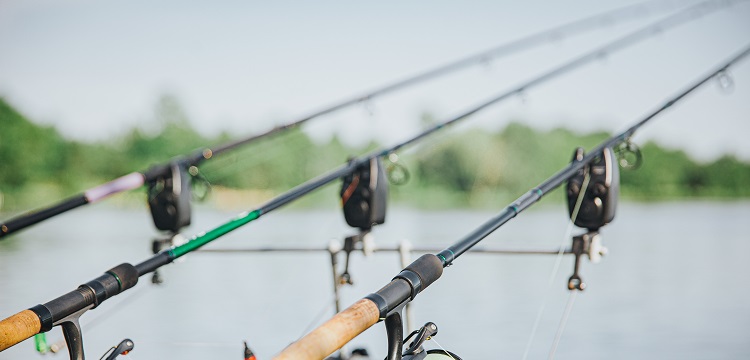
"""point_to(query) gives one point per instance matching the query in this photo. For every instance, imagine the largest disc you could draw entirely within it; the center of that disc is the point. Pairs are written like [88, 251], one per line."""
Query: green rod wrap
[205, 238]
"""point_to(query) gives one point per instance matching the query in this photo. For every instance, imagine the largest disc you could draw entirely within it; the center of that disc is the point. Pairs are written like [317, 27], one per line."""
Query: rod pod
[588, 244]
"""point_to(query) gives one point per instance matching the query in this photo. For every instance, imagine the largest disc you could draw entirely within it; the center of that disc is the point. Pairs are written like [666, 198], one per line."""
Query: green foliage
[471, 168]
[20, 144]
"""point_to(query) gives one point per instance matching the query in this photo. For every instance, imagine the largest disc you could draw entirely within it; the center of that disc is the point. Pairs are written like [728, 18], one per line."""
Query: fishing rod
[66, 310]
[169, 198]
[416, 277]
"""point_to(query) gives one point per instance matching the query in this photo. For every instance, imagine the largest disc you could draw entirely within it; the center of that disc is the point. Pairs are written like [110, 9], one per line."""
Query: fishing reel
[73, 342]
[123, 348]
[415, 349]
[599, 181]
[364, 194]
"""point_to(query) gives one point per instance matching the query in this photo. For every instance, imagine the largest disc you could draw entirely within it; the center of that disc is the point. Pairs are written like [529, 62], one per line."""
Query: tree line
[469, 168]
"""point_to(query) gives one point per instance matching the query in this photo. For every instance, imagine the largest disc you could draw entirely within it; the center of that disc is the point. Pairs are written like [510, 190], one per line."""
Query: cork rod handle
[334, 333]
[18, 327]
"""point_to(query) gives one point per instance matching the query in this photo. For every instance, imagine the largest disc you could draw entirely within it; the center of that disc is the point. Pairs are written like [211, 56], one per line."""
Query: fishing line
[317, 317]
[254, 154]
[556, 267]
[420, 274]
[442, 348]
[201, 239]
[204, 344]
[40, 318]
[563, 322]
[197, 344]
[137, 179]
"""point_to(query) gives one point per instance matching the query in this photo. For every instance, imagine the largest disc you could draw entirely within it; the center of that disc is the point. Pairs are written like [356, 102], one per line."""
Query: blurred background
[90, 91]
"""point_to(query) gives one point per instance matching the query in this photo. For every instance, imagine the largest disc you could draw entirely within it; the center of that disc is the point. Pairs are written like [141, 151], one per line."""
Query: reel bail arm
[395, 332]
[415, 350]
[123, 348]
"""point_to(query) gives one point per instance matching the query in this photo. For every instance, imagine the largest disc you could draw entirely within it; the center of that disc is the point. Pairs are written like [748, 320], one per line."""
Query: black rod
[535, 194]
[418, 250]
[135, 180]
[540, 38]
[197, 241]
[420, 274]
[405, 287]
[242, 219]
[648, 31]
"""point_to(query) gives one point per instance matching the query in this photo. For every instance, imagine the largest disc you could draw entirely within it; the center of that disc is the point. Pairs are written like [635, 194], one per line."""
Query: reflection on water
[673, 285]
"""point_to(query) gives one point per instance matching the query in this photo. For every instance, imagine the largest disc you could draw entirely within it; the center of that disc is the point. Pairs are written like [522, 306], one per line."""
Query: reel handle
[334, 333]
[18, 327]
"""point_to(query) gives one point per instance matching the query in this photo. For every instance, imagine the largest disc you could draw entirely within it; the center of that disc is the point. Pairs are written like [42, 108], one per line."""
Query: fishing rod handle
[18, 327]
[334, 333]
[346, 325]
[43, 317]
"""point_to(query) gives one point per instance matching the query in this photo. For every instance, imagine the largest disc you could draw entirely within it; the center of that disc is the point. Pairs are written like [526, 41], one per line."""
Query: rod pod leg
[334, 247]
[352, 243]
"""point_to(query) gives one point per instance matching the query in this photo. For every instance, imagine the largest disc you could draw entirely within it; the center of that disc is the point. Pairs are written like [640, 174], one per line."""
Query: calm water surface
[674, 285]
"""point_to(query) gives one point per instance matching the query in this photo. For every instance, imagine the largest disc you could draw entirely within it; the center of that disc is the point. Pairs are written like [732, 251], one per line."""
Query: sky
[95, 69]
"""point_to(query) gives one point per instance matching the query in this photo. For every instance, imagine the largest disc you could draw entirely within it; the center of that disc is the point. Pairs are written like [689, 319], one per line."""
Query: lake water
[673, 286]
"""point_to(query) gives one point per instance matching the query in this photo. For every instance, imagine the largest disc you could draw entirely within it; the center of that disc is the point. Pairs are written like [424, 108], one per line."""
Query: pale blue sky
[96, 68]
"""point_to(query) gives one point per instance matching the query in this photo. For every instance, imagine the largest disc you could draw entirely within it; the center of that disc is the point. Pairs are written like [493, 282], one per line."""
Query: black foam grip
[69, 303]
[428, 267]
[393, 294]
[127, 274]
[415, 282]
[99, 289]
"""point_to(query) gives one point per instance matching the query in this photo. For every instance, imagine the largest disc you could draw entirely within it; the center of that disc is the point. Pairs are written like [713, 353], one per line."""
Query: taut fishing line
[386, 303]
[556, 267]
[563, 322]
[317, 317]
[442, 348]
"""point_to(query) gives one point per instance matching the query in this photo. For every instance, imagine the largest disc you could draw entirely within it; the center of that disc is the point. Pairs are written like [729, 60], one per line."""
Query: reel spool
[600, 199]
[364, 194]
[437, 354]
